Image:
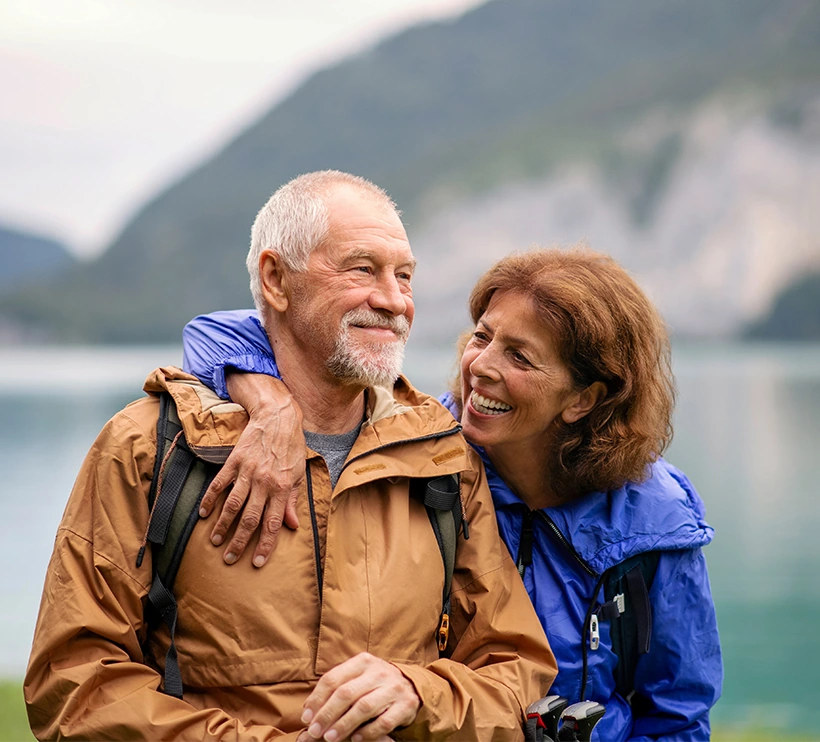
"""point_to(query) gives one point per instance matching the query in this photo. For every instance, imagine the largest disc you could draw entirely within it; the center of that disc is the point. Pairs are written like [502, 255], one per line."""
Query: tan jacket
[253, 642]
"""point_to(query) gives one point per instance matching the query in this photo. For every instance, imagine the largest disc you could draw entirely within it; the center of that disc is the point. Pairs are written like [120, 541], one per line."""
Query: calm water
[747, 434]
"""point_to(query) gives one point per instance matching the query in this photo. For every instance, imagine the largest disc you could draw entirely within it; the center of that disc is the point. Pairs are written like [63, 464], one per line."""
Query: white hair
[295, 220]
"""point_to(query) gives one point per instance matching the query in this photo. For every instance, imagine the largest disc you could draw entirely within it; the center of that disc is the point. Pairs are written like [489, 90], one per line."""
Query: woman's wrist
[260, 394]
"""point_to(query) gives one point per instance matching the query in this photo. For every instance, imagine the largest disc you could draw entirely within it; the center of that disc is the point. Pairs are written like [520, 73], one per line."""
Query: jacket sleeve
[87, 677]
[683, 673]
[235, 339]
[499, 660]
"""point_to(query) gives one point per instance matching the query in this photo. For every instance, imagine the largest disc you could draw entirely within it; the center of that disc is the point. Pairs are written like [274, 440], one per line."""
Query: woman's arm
[220, 341]
[681, 676]
[264, 473]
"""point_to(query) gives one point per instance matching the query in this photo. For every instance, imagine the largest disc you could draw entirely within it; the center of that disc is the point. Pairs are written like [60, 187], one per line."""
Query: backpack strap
[442, 499]
[626, 590]
[177, 488]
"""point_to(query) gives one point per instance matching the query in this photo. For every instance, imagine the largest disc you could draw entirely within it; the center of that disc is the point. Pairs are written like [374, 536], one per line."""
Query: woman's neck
[526, 474]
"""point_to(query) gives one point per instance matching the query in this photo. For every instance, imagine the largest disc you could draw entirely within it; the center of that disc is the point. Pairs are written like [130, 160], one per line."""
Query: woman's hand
[266, 469]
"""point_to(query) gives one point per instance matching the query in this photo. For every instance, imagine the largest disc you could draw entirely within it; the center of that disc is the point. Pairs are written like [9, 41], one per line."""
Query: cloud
[105, 100]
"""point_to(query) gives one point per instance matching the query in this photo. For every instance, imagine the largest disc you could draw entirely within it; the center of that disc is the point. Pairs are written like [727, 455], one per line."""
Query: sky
[103, 102]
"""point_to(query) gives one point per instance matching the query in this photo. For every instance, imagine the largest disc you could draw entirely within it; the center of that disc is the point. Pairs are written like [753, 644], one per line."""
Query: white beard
[370, 364]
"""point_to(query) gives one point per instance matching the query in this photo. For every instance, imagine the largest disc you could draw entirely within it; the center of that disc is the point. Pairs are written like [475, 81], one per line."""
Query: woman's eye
[519, 357]
[362, 268]
[480, 336]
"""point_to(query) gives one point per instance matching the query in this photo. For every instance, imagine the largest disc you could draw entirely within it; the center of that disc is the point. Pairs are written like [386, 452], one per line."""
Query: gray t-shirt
[333, 449]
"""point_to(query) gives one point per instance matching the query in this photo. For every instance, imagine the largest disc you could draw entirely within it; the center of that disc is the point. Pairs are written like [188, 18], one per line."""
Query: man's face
[353, 307]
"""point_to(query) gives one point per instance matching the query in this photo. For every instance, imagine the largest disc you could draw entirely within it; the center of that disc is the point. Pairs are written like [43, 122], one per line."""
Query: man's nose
[388, 296]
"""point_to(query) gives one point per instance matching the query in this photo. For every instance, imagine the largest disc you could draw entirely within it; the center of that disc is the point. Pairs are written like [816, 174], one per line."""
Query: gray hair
[295, 220]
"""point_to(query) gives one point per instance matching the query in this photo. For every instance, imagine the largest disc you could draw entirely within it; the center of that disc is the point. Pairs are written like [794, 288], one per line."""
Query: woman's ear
[584, 402]
[273, 277]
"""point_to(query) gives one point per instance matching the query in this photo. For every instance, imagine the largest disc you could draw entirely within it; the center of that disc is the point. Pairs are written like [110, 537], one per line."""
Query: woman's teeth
[488, 406]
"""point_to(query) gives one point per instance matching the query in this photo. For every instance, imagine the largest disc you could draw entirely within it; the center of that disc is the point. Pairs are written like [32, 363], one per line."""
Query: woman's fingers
[271, 525]
[247, 521]
[221, 482]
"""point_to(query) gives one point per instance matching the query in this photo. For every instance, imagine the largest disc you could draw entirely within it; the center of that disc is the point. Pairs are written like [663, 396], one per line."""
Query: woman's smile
[488, 406]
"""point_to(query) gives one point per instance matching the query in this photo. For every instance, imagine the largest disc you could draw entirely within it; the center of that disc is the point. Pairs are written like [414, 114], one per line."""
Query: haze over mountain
[682, 137]
[29, 259]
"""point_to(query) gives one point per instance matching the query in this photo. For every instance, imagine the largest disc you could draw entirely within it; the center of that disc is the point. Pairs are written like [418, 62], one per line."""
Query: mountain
[682, 137]
[29, 259]
[795, 315]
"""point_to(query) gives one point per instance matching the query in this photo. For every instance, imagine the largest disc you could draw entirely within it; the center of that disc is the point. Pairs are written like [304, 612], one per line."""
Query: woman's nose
[485, 364]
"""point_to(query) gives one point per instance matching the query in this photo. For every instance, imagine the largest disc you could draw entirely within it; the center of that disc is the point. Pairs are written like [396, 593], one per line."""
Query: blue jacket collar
[664, 512]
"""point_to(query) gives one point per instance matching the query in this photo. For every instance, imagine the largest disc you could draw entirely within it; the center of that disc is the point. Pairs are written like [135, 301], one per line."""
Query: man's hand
[364, 698]
[266, 468]
[305, 737]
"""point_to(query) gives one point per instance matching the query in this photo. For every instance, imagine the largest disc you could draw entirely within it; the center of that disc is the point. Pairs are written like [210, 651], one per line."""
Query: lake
[747, 432]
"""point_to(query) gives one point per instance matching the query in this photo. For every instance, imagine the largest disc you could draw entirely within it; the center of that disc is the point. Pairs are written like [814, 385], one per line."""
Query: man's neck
[328, 406]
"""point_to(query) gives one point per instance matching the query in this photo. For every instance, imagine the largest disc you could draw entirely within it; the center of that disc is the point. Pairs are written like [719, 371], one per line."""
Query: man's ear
[584, 402]
[273, 275]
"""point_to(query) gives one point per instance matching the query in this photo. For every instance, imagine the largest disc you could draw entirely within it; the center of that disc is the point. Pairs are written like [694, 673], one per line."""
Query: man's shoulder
[209, 422]
[404, 393]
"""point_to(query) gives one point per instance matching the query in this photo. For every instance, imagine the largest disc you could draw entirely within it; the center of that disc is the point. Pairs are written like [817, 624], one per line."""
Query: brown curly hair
[605, 329]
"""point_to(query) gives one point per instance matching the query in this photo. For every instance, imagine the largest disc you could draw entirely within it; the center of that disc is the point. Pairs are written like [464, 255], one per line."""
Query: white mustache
[363, 318]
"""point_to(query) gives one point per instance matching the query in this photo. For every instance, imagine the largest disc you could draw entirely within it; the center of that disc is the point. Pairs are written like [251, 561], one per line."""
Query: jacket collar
[402, 416]
[664, 512]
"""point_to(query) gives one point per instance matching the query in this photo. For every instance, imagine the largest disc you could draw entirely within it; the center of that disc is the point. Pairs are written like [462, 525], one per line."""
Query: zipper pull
[443, 632]
[525, 544]
[594, 633]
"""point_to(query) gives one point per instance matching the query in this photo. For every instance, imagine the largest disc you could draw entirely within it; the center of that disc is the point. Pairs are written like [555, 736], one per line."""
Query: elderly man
[339, 640]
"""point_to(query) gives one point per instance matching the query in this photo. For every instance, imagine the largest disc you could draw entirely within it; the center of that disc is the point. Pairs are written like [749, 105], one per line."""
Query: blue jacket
[682, 674]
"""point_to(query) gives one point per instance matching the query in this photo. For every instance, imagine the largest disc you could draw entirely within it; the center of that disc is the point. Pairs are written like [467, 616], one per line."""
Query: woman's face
[513, 383]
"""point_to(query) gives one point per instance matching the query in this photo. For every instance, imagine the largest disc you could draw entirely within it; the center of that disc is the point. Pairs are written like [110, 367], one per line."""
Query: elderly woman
[565, 390]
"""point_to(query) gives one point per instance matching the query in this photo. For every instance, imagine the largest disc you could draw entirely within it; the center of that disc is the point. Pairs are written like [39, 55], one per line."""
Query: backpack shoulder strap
[626, 589]
[177, 488]
[442, 499]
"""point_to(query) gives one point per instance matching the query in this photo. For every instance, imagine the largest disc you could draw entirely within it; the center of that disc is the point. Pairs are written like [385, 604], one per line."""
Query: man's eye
[363, 268]
[481, 337]
[404, 277]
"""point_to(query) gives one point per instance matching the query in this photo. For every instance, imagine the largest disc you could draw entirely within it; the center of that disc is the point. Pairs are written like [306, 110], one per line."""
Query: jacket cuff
[431, 690]
[251, 364]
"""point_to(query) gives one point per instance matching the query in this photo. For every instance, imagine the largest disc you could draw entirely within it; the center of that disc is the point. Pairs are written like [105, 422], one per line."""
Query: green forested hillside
[504, 92]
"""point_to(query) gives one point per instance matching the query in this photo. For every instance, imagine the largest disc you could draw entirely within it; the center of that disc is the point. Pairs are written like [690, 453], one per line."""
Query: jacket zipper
[524, 559]
[567, 545]
[590, 627]
[313, 522]
[317, 553]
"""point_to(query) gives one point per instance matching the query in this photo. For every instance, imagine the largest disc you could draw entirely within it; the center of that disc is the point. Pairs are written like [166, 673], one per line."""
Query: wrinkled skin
[263, 473]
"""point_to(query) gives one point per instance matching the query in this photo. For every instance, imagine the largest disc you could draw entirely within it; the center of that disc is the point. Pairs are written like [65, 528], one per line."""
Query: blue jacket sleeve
[682, 675]
[235, 339]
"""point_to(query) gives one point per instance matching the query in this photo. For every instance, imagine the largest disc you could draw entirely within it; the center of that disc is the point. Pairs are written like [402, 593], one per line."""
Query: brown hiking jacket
[253, 642]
